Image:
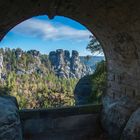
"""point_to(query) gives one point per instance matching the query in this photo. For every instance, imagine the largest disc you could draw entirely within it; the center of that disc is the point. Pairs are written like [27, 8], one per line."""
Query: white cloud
[48, 30]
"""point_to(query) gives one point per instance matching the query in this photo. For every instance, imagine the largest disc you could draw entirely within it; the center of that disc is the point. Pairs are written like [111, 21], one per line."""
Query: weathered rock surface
[60, 62]
[70, 123]
[67, 66]
[132, 129]
[83, 91]
[34, 53]
[115, 116]
[10, 127]
[18, 52]
[19, 61]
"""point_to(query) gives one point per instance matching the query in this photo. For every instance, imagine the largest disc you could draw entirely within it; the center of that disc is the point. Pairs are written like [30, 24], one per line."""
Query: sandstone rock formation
[132, 129]
[10, 127]
[115, 116]
[18, 52]
[83, 91]
[60, 62]
[34, 53]
[67, 66]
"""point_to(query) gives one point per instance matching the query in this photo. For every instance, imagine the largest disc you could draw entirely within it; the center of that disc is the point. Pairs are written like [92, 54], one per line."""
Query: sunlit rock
[67, 66]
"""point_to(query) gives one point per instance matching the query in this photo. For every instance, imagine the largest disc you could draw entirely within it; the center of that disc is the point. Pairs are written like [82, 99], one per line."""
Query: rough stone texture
[75, 123]
[67, 66]
[31, 67]
[77, 68]
[10, 127]
[18, 53]
[132, 129]
[83, 90]
[116, 115]
[34, 53]
[116, 24]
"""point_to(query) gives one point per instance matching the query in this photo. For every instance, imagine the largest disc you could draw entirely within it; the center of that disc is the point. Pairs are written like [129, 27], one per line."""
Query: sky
[45, 35]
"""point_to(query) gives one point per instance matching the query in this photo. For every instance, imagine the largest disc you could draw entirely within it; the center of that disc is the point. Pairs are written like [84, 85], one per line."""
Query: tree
[98, 80]
[87, 58]
[94, 46]
[34, 90]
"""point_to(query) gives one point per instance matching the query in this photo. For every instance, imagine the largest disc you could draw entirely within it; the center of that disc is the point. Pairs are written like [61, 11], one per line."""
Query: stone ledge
[59, 112]
[72, 123]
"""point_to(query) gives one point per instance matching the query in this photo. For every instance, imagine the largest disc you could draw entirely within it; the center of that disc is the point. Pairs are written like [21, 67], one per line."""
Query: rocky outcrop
[83, 91]
[33, 66]
[116, 114]
[34, 53]
[132, 129]
[67, 66]
[10, 127]
[18, 52]
[60, 62]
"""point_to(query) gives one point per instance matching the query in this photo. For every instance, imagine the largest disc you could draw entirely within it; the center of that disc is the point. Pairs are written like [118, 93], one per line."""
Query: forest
[30, 78]
[32, 81]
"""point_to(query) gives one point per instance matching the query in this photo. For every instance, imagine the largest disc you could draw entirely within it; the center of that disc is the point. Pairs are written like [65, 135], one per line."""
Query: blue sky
[47, 35]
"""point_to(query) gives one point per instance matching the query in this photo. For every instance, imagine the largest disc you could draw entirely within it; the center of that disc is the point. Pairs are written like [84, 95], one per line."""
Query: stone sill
[59, 112]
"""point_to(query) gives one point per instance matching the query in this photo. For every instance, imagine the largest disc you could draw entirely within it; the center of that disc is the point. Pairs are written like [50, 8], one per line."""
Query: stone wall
[116, 24]
[74, 123]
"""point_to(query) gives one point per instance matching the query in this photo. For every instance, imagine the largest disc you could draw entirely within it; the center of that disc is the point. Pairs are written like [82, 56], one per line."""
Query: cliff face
[67, 66]
[61, 62]
[21, 62]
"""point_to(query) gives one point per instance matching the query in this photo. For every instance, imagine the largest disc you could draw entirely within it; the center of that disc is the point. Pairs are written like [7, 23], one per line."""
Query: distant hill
[60, 62]
[91, 61]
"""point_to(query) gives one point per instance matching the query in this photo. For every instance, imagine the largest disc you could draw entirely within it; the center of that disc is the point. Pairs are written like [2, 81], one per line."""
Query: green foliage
[37, 89]
[94, 46]
[4, 90]
[98, 80]
[42, 88]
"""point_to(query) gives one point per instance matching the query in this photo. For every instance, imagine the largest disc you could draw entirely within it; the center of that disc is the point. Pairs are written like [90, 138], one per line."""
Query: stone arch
[115, 24]
[51, 9]
[107, 20]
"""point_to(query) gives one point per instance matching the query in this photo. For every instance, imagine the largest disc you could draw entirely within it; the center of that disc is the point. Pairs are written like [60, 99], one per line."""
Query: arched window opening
[52, 63]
